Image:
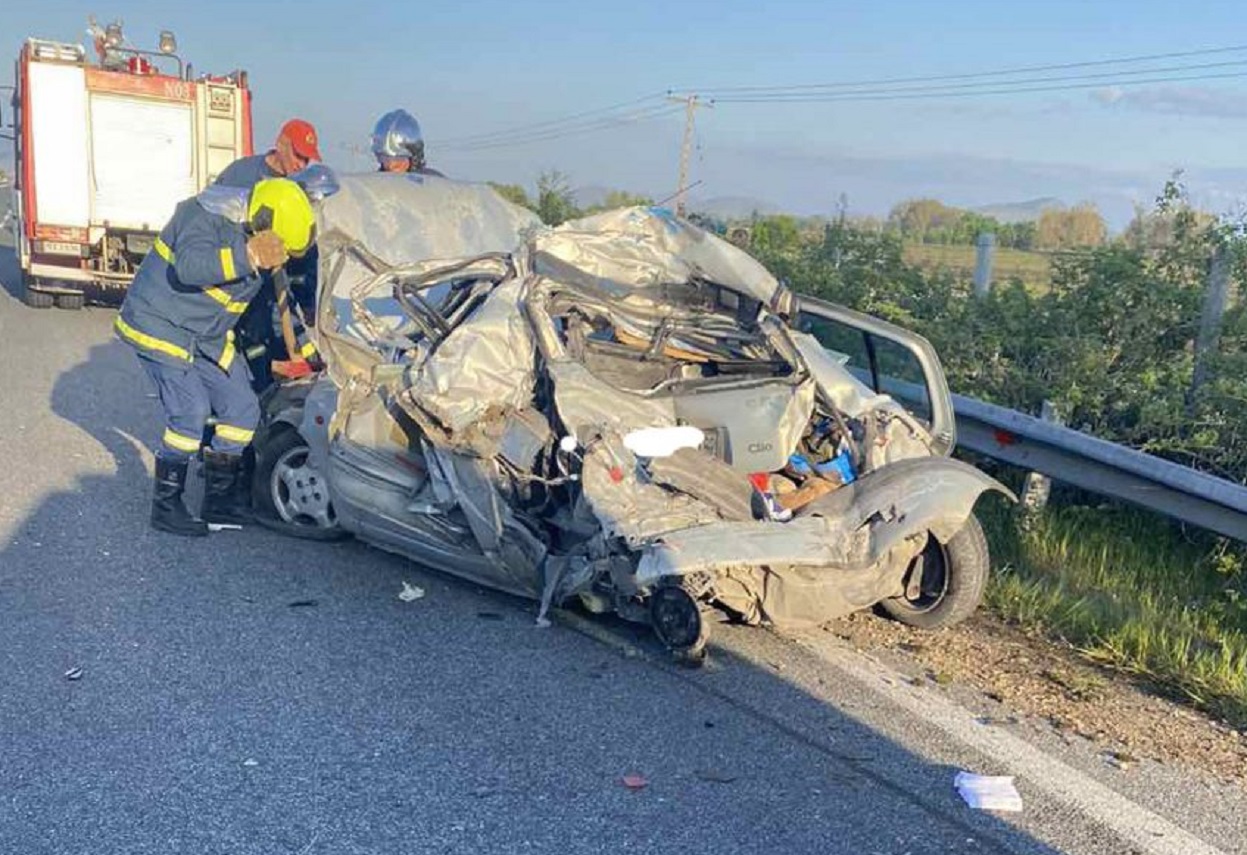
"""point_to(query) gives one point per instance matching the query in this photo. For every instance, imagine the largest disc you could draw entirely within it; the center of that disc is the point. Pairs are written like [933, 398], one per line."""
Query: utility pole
[691, 103]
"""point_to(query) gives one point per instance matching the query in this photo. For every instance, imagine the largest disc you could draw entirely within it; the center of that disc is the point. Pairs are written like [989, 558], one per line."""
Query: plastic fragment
[410, 592]
[988, 792]
[635, 782]
[73, 674]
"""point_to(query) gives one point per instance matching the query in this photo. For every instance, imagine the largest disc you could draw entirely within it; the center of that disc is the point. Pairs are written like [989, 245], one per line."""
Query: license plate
[60, 247]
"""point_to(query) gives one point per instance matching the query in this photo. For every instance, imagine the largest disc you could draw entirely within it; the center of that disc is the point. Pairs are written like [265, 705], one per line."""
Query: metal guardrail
[1102, 467]
[1093, 464]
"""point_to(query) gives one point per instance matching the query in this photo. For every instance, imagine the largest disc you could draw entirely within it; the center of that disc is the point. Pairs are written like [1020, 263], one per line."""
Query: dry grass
[1034, 269]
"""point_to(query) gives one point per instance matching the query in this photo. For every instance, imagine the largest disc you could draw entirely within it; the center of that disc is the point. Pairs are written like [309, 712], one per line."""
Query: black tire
[73, 302]
[36, 299]
[284, 447]
[954, 577]
[679, 622]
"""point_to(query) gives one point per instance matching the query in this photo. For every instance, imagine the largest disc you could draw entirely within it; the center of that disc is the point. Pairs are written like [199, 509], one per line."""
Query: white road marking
[1150, 832]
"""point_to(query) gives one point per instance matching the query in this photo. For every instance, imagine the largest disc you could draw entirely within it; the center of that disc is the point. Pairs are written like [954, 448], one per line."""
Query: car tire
[36, 299]
[288, 493]
[680, 622]
[954, 578]
[73, 302]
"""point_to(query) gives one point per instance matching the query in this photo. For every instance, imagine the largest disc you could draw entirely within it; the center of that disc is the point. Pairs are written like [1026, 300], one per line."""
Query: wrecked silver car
[624, 411]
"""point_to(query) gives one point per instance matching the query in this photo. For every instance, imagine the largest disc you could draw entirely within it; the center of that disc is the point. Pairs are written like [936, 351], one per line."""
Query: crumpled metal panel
[853, 528]
[644, 247]
[398, 220]
[407, 218]
[485, 364]
[599, 416]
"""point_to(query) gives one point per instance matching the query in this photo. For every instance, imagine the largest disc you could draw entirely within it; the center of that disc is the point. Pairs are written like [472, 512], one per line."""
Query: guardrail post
[1216, 301]
[985, 253]
[1037, 487]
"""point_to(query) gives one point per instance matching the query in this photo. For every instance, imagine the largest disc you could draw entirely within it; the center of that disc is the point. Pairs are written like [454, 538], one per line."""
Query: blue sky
[469, 67]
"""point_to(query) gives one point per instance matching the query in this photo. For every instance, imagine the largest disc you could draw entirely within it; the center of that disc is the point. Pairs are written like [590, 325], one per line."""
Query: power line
[525, 129]
[1003, 72]
[953, 87]
[1004, 89]
[646, 115]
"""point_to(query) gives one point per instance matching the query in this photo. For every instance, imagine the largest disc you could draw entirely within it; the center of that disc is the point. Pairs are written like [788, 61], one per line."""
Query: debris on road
[1122, 760]
[251, 761]
[635, 782]
[714, 776]
[303, 604]
[988, 792]
[410, 593]
[73, 674]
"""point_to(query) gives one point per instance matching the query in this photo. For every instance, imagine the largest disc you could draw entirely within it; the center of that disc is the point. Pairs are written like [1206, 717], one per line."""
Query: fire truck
[103, 152]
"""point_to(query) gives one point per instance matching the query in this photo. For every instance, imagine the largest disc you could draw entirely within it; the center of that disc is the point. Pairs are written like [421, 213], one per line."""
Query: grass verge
[1130, 591]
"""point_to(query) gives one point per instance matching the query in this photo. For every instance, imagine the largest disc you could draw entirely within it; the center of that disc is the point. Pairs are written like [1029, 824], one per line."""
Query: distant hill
[732, 207]
[1019, 212]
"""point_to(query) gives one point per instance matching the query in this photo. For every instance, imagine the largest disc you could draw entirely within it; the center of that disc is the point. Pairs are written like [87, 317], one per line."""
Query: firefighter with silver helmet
[398, 144]
[179, 314]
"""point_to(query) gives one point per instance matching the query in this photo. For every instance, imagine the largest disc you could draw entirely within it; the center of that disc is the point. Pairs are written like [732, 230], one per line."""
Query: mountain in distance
[1019, 212]
[589, 195]
[733, 207]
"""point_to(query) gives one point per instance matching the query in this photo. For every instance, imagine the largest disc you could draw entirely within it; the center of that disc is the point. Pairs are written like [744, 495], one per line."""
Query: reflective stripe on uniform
[232, 306]
[227, 264]
[227, 355]
[230, 433]
[162, 249]
[181, 442]
[149, 342]
[308, 350]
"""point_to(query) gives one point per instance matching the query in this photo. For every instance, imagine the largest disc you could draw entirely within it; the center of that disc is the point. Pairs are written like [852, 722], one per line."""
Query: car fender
[907, 497]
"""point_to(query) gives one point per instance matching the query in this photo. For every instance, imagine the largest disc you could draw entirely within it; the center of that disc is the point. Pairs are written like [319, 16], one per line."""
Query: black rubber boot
[169, 513]
[226, 497]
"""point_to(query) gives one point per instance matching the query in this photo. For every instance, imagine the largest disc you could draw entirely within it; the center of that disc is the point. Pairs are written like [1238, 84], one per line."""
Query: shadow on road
[249, 693]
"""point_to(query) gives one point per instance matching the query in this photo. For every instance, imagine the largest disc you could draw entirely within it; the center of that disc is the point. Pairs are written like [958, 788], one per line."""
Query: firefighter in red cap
[295, 148]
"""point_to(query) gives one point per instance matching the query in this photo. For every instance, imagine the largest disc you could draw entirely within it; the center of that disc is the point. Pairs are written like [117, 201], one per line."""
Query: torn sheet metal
[486, 363]
[648, 247]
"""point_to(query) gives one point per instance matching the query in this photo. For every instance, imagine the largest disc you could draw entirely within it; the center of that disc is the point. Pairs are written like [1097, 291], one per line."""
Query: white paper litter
[988, 792]
[410, 592]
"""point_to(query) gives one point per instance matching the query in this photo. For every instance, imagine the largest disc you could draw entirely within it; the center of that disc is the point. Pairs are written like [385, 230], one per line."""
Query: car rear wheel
[679, 622]
[945, 583]
[288, 488]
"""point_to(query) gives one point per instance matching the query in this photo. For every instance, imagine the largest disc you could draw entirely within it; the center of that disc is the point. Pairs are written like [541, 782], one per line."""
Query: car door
[889, 359]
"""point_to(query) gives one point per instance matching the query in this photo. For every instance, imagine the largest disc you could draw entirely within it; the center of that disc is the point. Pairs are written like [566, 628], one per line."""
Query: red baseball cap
[302, 138]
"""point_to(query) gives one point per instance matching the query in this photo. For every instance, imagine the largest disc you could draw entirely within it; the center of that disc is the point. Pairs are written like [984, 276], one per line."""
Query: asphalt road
[254, 694]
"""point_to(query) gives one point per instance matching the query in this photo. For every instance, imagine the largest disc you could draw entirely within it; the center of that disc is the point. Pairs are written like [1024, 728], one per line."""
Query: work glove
[265, 251]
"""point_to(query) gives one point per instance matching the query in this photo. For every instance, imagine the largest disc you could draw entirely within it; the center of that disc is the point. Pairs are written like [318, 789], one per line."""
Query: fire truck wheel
[36, 299]
[70, 301]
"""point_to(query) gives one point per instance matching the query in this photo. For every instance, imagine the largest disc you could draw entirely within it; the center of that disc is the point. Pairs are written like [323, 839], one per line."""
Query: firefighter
[398, 144]
[259, 328]
[295, 148]
[179, 314]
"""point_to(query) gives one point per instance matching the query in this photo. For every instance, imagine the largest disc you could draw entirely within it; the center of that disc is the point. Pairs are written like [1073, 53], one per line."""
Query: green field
[1034, 269]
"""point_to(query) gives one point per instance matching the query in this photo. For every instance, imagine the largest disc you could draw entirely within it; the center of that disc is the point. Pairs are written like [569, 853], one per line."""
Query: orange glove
[292, 369]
